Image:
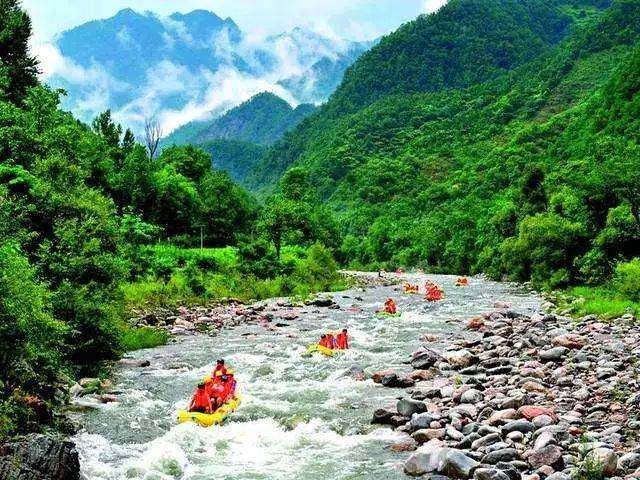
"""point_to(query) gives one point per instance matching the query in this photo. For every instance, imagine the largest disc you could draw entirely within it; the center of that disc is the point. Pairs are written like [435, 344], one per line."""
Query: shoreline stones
[514, 396]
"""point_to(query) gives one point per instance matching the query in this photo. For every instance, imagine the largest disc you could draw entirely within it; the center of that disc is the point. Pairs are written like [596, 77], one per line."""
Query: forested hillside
[529, 174]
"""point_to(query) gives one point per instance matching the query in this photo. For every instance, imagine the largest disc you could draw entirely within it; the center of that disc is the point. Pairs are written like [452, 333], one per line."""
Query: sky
[349, 19]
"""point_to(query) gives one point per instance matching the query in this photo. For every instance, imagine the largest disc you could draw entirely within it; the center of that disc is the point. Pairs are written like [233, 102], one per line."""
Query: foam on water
[300, 418]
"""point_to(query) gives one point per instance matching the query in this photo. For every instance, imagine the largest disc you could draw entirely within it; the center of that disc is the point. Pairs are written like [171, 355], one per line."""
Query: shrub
[627, 279]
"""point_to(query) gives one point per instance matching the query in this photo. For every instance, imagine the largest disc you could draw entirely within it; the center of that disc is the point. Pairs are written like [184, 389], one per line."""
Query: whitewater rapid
[301, 418]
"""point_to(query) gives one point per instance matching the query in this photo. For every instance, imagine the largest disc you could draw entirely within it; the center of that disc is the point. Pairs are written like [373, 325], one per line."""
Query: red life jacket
[201, 400]
[342, 341]
[331, 342]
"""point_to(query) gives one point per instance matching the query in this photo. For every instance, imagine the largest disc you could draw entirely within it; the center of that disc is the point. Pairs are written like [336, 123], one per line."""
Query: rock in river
[38, 457]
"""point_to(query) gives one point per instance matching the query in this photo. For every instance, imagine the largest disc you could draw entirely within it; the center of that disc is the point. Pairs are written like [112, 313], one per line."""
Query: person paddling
[220, 367]
[200, 402]
[342, 340]
[390, 307]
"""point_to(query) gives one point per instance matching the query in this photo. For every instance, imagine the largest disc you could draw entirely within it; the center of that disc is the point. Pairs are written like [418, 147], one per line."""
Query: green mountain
[493, 136]
[239, 139]
[263, 120]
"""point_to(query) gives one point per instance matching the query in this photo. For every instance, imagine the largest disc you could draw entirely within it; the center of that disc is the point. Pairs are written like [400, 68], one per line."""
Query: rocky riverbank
[522, 397]
[39, 457]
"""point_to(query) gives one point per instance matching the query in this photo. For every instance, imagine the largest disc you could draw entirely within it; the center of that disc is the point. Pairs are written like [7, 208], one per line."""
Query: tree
[153, 134]
[29, 336]
[18, 68]
[278, 218]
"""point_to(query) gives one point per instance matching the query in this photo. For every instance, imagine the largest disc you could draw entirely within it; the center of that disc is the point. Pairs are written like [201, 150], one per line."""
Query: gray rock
[629, 462]
[486, 440]
[490, 474]
[553, 354]
[434, 458]
[408, 407]
[425, 359]
[423, 420]
[471, 396]
[523, 426]
[558, 476]
[503, 455]
[38, 457]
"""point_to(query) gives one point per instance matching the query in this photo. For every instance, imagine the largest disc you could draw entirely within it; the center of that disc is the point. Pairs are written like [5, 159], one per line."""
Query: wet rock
[130, 362]
[379, 375]
[407, 407]
[424, 359]
[38, 457]
[320, 302]
[475, 324]
[490, 474]
[394, 381]
[550, 455]
[356, 372]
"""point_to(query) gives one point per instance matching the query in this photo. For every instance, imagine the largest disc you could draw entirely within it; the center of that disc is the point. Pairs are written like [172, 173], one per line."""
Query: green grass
[137, 338]
[602, 301]
[198, 277]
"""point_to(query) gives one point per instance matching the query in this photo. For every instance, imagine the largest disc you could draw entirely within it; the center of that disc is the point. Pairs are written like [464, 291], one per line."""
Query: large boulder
[423, 359]
[605, 457]
[408, 407]
[432, 457]
[39, 457]
[460, 358]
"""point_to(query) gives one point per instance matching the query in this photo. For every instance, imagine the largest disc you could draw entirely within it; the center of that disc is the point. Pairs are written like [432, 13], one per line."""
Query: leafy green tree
[30, 338]
[18, 68]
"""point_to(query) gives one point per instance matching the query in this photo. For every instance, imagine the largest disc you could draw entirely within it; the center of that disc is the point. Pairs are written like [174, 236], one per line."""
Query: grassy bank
[603, 301]
[176, 276]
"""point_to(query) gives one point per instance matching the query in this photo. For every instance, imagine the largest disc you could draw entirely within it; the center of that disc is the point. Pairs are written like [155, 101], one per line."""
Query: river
[300, 417]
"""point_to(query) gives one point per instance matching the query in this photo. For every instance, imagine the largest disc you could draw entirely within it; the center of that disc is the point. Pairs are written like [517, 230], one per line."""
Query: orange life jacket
[201, 400]
[390, 307]
[342, 341]
[331, 341]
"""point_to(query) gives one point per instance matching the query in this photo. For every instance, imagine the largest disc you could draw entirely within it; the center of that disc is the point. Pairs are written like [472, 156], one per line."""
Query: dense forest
[503, 138]
[92, 222]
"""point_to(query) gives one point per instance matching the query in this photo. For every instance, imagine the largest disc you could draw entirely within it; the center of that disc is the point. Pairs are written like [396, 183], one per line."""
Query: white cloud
[431, 6]
[204, 93]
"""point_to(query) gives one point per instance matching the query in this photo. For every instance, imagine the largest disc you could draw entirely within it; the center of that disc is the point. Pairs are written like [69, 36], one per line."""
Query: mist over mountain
[187, 67]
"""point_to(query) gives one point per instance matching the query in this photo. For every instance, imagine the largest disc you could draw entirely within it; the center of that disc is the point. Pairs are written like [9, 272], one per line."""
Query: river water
[300, 417]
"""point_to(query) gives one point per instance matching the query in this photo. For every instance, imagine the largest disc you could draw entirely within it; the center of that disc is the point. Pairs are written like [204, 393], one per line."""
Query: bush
[627, 279]
[143, 337]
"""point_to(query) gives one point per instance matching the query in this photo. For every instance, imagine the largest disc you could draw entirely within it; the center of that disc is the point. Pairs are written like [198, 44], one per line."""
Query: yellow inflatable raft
[320, 349]
[209, 419]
